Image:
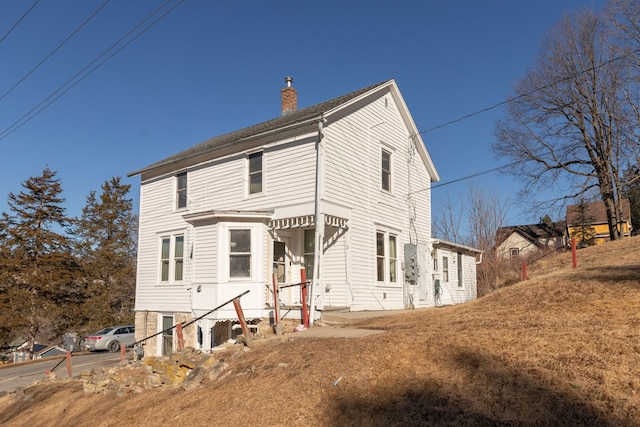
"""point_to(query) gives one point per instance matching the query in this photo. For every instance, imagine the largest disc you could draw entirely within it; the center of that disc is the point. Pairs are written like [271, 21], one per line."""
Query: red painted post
[243, 323]
[574, 256]
[180, 336]
[123, 352]
[276, 306]
[303, 296]
[69, 364]
[524, 271]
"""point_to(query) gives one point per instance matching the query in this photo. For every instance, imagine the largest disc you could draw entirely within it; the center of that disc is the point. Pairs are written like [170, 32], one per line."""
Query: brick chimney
[289, 97]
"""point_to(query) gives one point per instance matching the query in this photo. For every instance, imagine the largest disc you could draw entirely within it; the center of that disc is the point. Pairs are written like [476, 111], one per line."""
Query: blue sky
[210, 67]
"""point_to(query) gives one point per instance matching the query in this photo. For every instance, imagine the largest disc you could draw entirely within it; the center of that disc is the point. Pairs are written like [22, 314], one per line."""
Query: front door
[281, 268]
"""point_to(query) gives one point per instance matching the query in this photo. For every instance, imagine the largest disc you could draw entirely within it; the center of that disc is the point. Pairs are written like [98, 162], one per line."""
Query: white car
[110, 338]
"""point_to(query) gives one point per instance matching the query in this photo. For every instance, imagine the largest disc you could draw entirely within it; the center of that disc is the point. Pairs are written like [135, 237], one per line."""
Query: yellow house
[597, 212]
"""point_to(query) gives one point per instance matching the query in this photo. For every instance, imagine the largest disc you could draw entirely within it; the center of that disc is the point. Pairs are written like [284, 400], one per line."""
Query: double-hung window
[386, 258]
[255, 173]
[239, 253]
[181, 190]
[445, 269]
[386, 170]
[172, 258]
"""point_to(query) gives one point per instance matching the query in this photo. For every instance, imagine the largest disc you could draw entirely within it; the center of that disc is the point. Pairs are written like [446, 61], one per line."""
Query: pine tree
[583, 232]
[106, 238]
[38, 271]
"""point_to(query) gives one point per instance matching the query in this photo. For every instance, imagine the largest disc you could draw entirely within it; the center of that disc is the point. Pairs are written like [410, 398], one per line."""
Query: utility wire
[538, 89]
[54, 50]
[60, 91]
[19, 21]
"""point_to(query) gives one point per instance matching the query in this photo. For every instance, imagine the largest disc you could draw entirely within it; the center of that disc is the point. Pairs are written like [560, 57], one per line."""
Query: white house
[218, 219]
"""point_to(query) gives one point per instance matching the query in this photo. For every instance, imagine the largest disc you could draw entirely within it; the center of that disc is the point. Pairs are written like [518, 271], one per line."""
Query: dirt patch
[561, 349]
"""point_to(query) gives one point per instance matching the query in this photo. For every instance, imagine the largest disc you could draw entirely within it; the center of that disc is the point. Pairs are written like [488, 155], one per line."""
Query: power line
[19, 21]
[538, 89]
[60, 91]
[53, 51]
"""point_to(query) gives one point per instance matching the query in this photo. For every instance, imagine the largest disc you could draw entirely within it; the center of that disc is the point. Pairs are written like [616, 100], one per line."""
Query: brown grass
[561, 349]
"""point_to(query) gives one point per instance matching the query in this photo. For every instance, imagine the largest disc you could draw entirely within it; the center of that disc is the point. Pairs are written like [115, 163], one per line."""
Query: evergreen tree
[106, 238]
[582, 231]
[40, 295]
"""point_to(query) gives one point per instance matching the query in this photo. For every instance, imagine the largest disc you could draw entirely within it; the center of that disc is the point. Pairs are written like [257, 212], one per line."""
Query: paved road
[25, 374]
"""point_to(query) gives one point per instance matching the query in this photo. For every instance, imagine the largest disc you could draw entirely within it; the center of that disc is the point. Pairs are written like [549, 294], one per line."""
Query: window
[309, 252]
[460, 281]
[380, 256]
[239, 253]
[386, 258]
[172, 258]
[178, 258]
[181, 190]
[393, 260]
[445, 269]
[255, 173]
[515, 252]
[386, 170]
[167, 335]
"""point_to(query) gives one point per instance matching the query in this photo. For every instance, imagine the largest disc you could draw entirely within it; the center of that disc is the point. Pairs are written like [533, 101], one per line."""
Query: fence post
[276, 306]
[123, 352]
[69, 363]
[524, 271]
[180, 336]
[303, 296]
[574, 256]
[245, 330]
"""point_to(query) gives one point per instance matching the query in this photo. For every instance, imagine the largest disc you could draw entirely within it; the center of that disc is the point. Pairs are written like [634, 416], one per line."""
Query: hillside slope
[560, 349]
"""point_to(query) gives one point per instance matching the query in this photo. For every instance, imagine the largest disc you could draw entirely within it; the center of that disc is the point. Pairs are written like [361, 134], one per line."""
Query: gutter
[319, 223]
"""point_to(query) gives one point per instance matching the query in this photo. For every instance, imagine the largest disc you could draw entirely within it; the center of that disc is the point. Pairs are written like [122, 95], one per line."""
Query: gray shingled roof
[224, 141]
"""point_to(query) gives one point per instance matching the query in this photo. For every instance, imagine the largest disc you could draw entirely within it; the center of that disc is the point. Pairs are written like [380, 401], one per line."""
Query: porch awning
[306, 221]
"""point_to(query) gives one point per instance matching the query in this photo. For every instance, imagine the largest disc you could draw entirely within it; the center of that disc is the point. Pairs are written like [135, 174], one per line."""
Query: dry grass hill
[561, 349]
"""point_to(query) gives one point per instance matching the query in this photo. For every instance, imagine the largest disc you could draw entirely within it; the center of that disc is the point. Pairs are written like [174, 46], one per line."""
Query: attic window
[515, 252]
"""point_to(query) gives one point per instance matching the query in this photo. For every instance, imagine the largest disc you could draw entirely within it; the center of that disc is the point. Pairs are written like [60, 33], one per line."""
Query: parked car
[110, 338]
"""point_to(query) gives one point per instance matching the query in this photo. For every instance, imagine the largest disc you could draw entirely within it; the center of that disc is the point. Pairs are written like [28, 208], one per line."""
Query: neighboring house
[43, 350]
[521, 240]
[598, 214]
[221, 217]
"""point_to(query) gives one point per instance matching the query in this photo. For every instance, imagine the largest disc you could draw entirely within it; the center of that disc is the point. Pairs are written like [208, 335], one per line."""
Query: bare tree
[567, 123]
[482, 213]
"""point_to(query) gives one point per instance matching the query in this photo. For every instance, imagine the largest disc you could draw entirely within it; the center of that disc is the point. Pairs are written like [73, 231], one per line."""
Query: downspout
[319, 225]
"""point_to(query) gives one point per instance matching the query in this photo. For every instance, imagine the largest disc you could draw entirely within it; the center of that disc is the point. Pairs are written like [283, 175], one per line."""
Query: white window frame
[173, 260]
[460, 270]
[161, 335]
[389, 263]
[386, 172]
[257, 247]
[250, 173]
[179, 191]
[445, 269]
[514, 252]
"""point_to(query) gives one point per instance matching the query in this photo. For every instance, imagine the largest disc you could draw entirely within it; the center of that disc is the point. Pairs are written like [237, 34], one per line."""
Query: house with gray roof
[339, 190]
